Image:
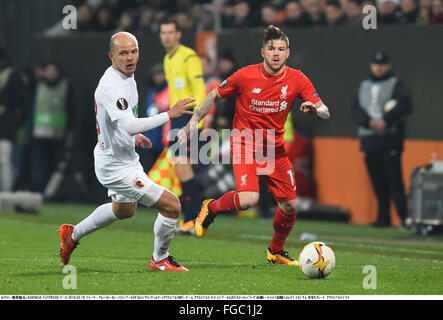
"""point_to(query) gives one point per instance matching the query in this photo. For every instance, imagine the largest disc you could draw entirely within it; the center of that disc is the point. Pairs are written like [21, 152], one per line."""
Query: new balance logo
[256, 90]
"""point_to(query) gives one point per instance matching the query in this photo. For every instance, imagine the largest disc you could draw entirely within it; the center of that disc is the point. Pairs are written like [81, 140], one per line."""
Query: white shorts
[133, 185]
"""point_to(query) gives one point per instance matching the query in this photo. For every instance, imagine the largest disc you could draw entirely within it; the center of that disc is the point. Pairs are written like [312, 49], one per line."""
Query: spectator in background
[23, 146]
[104, 21]
[380, 110]
[209, 73]
[295, 16]
[85, 18]
[368, 3]
[52, 125]
[212, 81]
[224, 112]
[409, 11]
[238, 16]
[11, 116]
[388, 11]
[334, 14]
[436, 15]
[127, 22]
[425, 11]
[145, 21]
[184, 21]
[157, 101]
[159, 16]
[205, 18]
[315, 12]
[116, 7]
[269, 15]
[226, 64]
[354, 12]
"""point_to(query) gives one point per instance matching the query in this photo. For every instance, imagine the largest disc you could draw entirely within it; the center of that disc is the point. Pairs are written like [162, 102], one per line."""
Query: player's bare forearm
[206, 106]
[318, 110]
[203, 109]
[322, 112]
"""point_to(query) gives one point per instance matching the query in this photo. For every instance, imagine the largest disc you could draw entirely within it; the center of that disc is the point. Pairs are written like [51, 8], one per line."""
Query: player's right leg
[101, 217]
[230, 201]
[123, 192]
[245, 196]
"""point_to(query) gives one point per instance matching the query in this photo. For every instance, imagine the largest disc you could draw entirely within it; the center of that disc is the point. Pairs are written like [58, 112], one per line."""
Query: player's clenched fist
[308, 106]
[181, 107]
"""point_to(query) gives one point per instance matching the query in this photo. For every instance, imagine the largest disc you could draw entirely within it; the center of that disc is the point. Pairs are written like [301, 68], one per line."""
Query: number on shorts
[292, 176]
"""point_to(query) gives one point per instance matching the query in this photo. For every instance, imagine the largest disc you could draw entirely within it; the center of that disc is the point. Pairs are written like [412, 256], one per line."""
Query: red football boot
[167, 264]
[67, 244]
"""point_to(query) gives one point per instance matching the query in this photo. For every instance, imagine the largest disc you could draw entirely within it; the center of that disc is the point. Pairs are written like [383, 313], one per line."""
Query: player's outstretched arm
[206, 106]
[203, 109]
[139, 125]
[318, 110]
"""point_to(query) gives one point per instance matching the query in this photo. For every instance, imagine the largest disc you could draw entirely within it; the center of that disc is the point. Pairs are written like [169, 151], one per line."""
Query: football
[316, 260]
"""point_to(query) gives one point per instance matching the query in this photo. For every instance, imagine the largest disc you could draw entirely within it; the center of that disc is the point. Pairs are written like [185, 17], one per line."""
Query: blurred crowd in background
[143, 16]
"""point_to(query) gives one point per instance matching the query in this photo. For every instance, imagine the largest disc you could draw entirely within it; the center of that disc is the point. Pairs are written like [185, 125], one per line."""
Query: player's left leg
[169, 209]
[281, 184]
[283, 222]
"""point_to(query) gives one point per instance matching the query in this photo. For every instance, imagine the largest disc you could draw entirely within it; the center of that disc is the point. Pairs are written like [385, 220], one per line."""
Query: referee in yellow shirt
[184, 74]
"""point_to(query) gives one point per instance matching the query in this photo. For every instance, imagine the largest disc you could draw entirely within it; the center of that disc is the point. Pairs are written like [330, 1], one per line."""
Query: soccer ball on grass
[316, 260]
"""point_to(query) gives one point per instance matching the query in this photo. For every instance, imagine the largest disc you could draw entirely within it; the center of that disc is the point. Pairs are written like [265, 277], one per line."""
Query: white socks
[164, 230]
[101, 217]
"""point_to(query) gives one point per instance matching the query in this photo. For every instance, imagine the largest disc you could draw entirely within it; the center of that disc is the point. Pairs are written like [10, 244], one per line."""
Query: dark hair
[333, 3]
[274, 33]
[171, 21]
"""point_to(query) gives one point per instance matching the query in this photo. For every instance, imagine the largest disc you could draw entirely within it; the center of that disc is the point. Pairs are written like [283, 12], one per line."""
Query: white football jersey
[116, 97]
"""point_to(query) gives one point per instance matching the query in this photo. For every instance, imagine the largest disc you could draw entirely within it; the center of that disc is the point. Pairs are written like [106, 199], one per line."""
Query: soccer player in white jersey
[117, 164]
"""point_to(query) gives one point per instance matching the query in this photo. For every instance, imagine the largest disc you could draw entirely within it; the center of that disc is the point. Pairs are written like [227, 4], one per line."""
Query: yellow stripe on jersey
[184, 74]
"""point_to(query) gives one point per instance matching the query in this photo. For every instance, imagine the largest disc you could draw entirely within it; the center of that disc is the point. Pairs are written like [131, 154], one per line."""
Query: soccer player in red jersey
[264, 93]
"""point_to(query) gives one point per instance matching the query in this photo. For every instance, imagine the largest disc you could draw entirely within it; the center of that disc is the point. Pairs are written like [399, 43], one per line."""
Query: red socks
[227, 202]
[283, 222]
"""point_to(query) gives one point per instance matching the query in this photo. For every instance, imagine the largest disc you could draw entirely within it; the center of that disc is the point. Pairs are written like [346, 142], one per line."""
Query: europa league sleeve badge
[122, 104]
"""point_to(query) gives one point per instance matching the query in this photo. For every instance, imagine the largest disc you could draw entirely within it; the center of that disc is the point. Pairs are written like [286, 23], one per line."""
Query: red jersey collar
[266, 75]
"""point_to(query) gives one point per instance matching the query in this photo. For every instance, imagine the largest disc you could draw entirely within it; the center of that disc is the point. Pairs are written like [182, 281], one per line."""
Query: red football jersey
[264, 101]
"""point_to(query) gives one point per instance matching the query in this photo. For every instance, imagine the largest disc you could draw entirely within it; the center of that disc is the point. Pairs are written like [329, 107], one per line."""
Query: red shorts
[279, 178]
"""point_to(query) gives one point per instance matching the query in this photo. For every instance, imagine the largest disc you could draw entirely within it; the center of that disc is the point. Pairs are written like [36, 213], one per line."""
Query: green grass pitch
[229, 260]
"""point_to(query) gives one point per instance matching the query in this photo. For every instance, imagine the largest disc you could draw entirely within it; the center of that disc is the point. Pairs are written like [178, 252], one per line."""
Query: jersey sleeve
[115, 102]
[229, 87]
[307, 91]
[195, 77]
